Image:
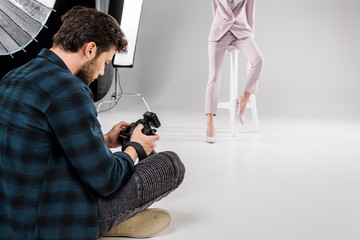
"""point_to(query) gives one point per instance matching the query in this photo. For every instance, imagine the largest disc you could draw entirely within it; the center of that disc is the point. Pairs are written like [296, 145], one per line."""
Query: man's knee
[179, 167]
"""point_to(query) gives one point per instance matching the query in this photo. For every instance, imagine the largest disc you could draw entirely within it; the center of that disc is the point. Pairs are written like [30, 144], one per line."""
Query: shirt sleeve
[73, 119]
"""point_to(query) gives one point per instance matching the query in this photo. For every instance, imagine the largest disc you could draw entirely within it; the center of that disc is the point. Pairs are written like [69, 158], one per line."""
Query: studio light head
[127, 13]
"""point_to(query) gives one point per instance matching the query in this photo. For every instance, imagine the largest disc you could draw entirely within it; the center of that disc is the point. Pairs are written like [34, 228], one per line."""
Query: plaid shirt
[53, 158]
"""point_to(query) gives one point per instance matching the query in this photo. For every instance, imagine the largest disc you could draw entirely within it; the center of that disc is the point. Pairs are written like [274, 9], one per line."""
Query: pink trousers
[216, 55]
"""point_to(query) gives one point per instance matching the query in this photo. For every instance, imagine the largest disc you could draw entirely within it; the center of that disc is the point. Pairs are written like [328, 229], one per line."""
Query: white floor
[294, 180]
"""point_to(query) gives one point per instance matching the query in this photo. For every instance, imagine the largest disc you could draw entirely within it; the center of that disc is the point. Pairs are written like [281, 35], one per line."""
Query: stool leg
[254, 113]
[231, 91]
[234, 61]
[235, 89]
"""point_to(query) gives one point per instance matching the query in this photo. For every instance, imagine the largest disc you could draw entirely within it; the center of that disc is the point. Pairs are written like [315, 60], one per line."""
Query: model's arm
[72, 117]
[214, 6]
[250, 13]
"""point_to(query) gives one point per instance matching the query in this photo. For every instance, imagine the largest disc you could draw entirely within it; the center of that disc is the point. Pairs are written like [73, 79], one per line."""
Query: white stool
[231, 104]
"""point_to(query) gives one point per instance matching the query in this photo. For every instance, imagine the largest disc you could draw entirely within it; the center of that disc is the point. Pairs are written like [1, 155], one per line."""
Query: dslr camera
[150, 122]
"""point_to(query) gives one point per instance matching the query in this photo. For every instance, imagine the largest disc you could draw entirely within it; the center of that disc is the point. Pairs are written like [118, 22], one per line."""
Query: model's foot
[242, 102]
[240, 109]
[143, 225]
[210, 131]
[210, 139]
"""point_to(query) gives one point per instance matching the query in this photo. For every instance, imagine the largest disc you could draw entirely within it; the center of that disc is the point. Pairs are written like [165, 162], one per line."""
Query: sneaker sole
[143, 225]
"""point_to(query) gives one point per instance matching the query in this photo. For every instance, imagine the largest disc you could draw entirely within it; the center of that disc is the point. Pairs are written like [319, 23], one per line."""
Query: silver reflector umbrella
[21, 21]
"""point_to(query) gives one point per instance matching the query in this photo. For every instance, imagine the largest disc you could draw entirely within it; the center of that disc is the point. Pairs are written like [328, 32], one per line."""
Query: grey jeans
[153, 178]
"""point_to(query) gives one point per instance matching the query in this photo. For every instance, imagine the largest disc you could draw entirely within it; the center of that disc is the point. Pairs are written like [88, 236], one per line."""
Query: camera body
[150, 122]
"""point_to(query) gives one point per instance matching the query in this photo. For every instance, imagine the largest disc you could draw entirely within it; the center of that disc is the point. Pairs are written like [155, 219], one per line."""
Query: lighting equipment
[127, 13]
[20, 23]
[130, 11]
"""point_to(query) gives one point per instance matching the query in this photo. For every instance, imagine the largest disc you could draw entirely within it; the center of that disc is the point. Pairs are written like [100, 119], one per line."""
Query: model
[233, 25]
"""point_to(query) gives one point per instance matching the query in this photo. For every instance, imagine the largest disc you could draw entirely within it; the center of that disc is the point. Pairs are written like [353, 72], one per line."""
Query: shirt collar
[52, 57]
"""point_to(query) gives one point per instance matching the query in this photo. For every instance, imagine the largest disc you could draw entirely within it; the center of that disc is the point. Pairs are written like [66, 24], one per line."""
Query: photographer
[58, 177]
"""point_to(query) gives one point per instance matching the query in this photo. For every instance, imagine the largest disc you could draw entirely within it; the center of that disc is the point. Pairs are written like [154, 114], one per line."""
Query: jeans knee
[179, 167]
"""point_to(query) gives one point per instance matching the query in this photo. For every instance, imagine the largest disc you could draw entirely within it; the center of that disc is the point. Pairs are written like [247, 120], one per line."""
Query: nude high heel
[210, 139]
[238, 114]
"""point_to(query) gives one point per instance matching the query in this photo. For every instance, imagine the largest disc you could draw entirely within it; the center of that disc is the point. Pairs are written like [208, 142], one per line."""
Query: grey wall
[311, 50]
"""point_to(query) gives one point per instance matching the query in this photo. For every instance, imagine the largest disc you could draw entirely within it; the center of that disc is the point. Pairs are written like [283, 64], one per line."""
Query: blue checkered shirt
[53, 158]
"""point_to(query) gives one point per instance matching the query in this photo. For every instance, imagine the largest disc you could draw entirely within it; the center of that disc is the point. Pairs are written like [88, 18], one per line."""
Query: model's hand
[148, 142]
[111, 138]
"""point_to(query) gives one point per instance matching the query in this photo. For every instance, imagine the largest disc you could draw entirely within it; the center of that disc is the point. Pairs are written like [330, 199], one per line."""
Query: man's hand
[111, 138]
[148, 142]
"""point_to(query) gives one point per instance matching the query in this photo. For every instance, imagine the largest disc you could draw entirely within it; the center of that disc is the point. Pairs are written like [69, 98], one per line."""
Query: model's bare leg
[210, 126]
[244, 100]
[210, 131]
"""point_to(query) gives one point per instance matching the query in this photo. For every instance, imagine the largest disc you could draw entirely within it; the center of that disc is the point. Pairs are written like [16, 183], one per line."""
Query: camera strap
[138, 148]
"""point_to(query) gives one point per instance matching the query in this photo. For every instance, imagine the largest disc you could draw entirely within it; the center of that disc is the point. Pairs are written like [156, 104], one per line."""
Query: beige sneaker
[145, 224]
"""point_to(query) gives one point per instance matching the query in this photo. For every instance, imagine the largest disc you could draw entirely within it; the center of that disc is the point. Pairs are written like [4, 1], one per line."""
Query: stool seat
[231, 104]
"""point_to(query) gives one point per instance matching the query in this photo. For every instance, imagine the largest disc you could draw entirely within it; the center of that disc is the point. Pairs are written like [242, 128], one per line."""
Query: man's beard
[86, 72]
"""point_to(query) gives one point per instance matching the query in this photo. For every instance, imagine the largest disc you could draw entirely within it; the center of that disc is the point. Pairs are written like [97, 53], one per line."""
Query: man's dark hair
[81, 25]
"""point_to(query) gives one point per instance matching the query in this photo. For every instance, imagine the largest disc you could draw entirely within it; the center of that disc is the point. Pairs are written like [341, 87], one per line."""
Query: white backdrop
[311, 50]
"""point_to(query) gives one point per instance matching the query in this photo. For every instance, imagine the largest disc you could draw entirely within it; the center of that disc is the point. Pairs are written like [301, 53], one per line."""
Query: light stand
[127, 13]
[115, 97]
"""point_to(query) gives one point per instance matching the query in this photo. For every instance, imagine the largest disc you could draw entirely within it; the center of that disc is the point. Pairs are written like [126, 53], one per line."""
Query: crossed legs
[153, 178]
[216, 52]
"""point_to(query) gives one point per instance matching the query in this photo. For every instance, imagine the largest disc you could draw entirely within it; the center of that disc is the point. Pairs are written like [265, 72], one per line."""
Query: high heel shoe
[238, 114]
[210, 139]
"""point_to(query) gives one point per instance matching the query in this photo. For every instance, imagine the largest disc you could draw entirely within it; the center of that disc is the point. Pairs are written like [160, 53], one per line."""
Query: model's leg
[251, 51]
[210, 131]
[153, 178]
[216, 52]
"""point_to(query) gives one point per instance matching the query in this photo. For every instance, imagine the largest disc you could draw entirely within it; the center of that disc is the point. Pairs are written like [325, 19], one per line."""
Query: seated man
[58, 178]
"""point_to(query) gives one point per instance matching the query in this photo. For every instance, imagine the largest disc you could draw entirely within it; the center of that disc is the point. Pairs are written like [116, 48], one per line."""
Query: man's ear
[90, 50]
